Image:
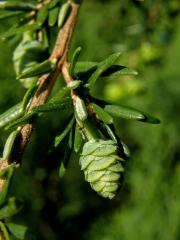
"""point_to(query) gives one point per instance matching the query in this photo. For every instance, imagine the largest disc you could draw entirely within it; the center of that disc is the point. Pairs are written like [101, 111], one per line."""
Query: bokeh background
[148, 205]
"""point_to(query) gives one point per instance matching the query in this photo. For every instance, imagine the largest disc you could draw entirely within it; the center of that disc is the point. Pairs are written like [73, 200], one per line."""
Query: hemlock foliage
[40, 204]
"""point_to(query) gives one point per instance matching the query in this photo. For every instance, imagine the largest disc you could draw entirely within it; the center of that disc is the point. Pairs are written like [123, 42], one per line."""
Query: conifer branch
[47, 81]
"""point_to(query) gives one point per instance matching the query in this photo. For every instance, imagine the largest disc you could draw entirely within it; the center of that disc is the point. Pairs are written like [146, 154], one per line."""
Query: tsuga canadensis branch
[47, 81]
[90, 129]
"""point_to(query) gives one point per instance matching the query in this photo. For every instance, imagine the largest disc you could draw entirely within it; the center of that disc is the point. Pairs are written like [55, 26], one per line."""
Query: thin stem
[68, 78]
[90, 131]
[88, 128]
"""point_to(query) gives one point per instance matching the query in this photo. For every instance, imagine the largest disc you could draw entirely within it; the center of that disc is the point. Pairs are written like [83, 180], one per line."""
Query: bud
[102, 166]
[80, 109]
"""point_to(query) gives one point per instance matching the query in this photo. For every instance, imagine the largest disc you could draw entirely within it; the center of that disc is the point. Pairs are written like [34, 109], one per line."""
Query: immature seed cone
[102, 166]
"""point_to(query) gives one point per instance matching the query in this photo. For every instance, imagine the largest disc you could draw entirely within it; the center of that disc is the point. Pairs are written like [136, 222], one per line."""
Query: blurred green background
[148, 205]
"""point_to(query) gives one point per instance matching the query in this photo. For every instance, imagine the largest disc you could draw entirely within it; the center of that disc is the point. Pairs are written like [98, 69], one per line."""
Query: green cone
[102, 166]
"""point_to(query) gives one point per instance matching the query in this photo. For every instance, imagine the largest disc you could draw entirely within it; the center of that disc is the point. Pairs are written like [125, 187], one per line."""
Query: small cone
[102, 166]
